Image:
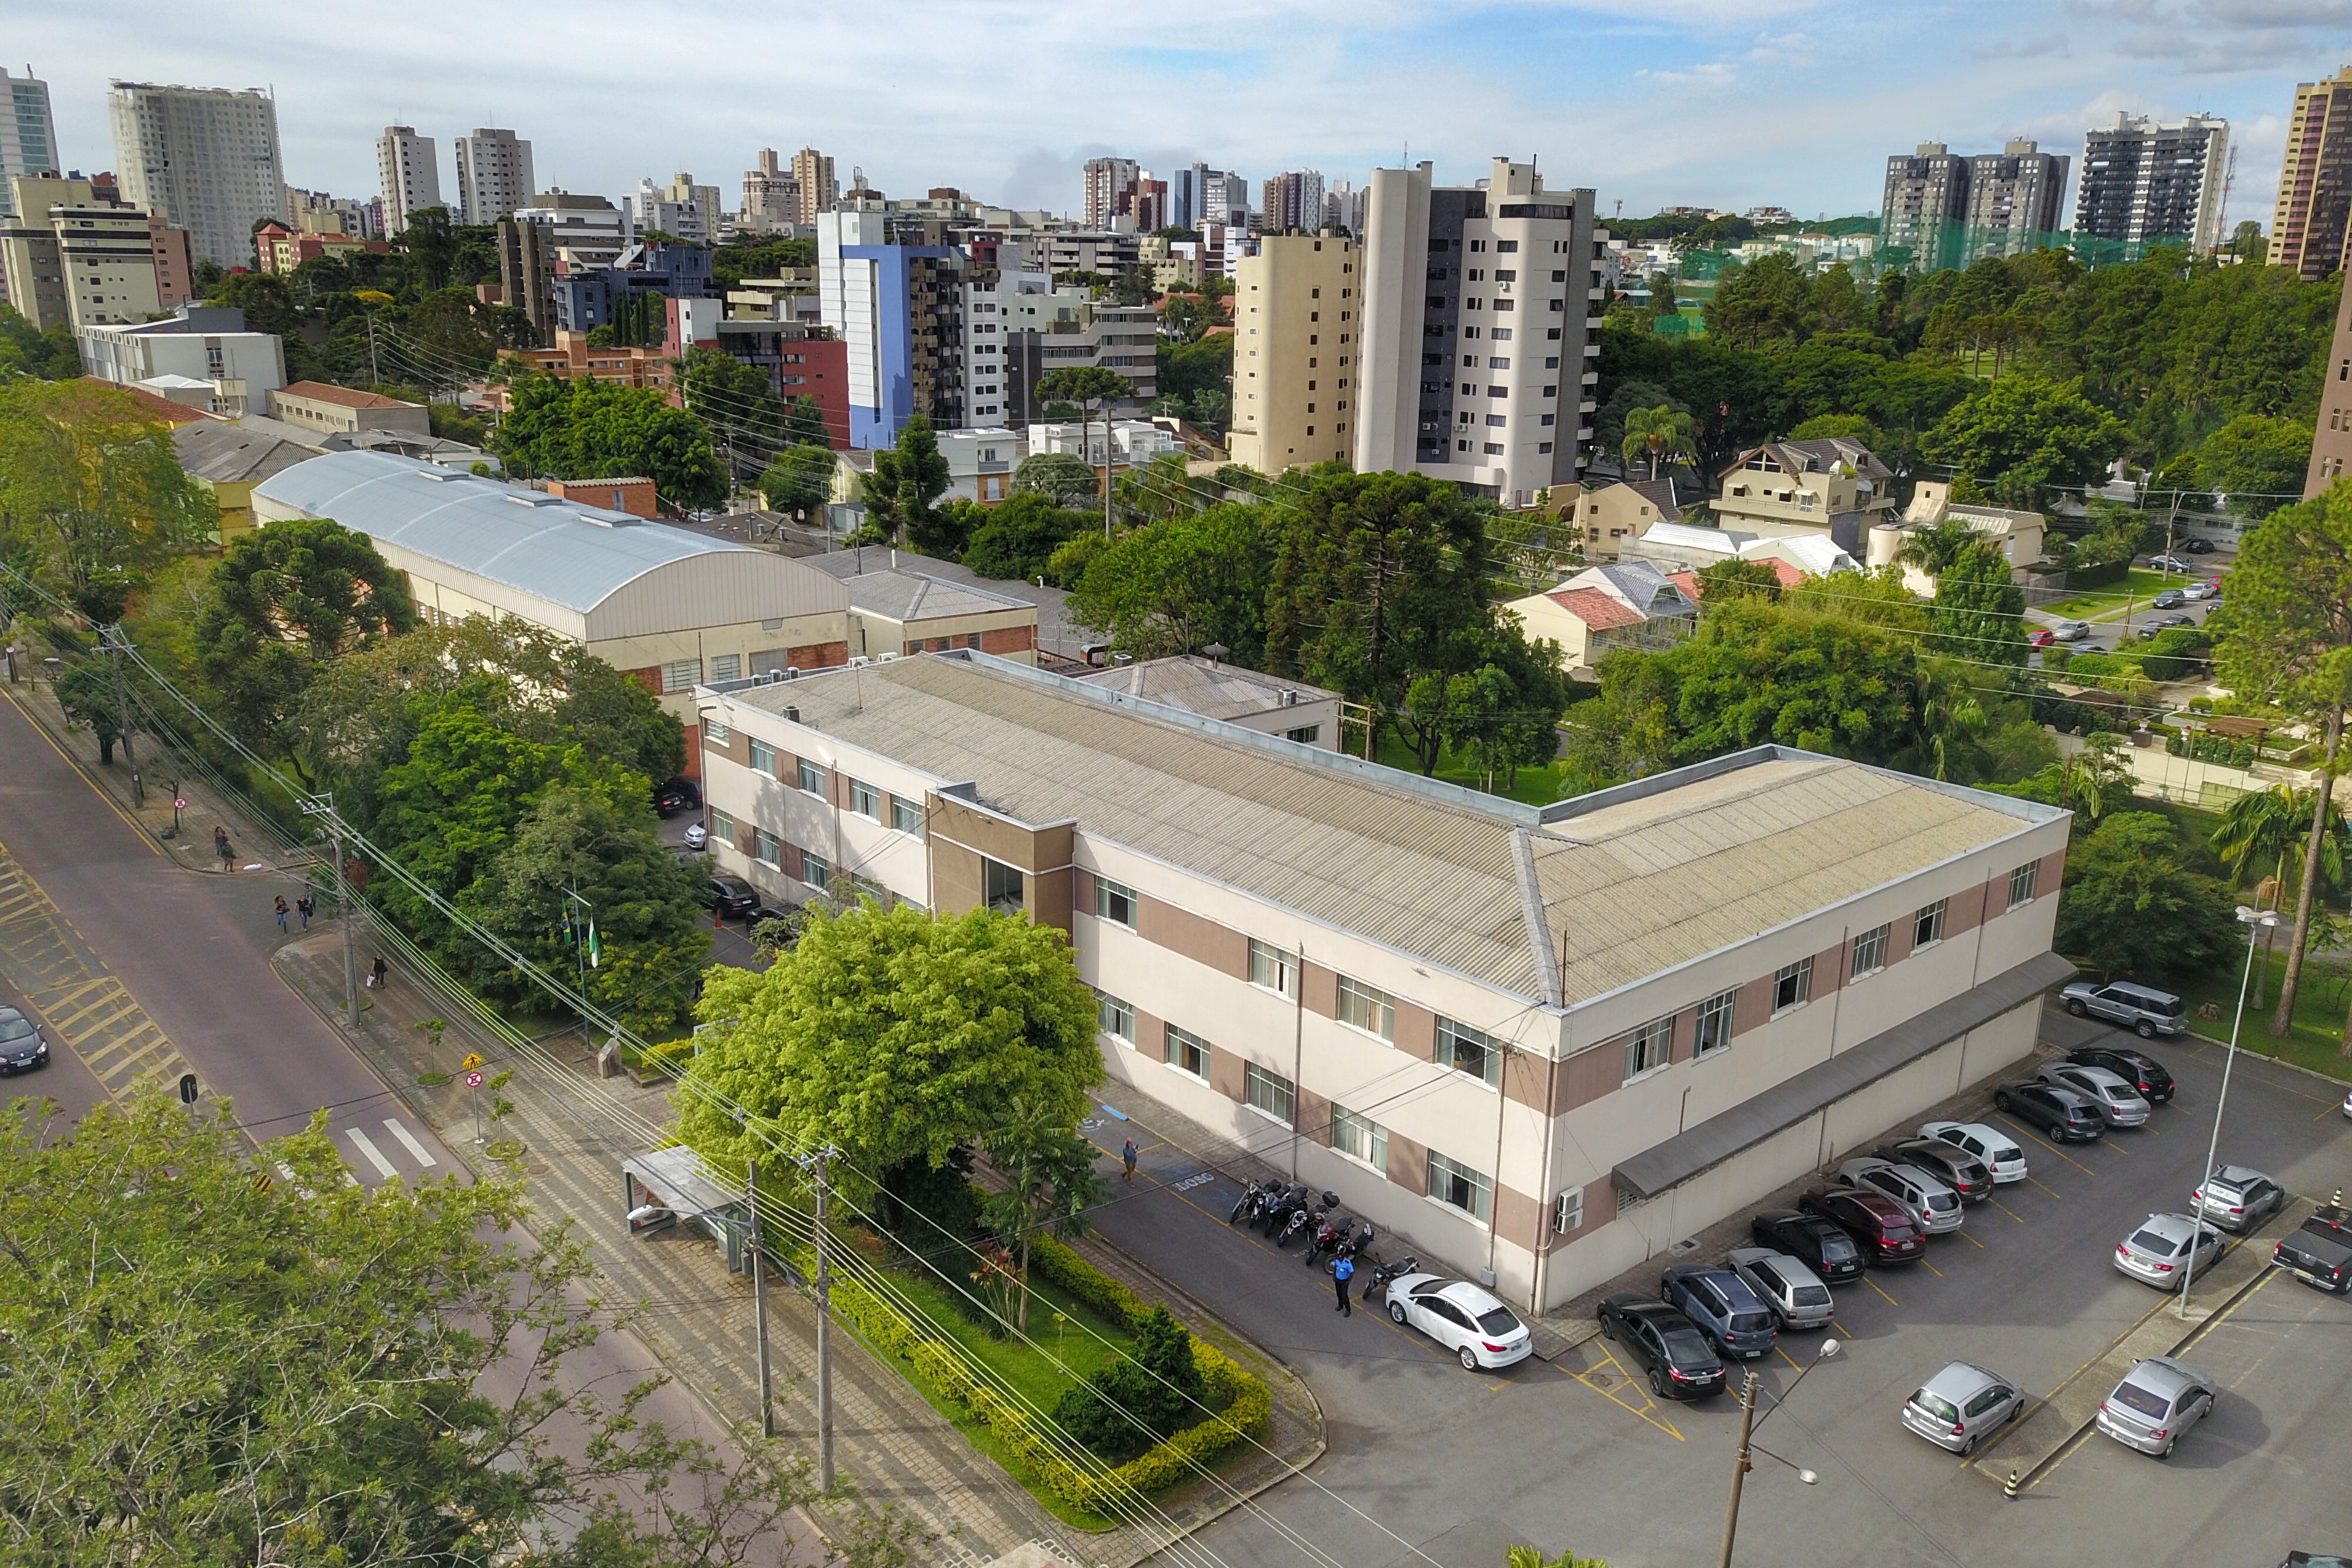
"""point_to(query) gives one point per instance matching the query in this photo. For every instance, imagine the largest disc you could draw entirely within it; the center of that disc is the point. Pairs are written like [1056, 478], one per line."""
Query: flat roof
[908, 596]
[1603, 891]
[346, 397]
[1209, 687]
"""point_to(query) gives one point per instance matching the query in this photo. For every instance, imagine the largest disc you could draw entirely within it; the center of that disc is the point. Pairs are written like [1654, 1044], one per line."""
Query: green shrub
[1159, 1388]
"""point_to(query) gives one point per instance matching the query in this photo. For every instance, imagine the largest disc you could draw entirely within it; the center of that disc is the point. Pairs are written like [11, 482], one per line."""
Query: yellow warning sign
[473, 1059]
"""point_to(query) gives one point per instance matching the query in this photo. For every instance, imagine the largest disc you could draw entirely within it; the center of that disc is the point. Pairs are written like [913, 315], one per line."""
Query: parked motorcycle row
[1293, 1212]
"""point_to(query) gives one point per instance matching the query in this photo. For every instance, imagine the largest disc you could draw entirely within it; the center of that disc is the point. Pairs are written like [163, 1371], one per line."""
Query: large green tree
[2256, 461]
[736, 400]
[1064, 478]
[2045, 431]
[93, 500]
[25, 351]
[800, 478]
[602, 430]
[1018, 538]
[908, 477]
[2132, 905]
[1177, 585]
[1979, 612]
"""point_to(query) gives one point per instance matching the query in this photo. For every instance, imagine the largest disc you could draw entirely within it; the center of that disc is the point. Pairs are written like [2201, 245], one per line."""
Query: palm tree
[2092, 775]
[1665, 433]
[1050, 1173]
[2264, 825]
[1948, 720]
[1934, 547]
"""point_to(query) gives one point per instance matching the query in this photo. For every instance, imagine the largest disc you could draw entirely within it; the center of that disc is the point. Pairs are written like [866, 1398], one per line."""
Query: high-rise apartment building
[1927, 198]
[1476, 331]
[772, 196]
[206, 159]
[1105, 179]
[74, 259]
[1291, 392]
[587, 231]
[1293, 201]
[2016, 198]
[2314, 189]
[409, 171]
[527, 272]
[2331, 440]
[494, 175]
[1343, 208]
[2146, 181]
[28, 133]
[813, 173]
[1199, 197]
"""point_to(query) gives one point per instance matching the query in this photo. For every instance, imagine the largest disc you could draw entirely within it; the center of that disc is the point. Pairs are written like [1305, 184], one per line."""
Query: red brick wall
[1006, 640]
[817, 657]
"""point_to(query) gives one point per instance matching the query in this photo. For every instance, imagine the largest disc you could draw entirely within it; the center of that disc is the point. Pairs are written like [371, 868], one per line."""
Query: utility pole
[1742, 1465]
[1106, 408]
[760, 1302]
[824, 1338]
[110, 639]
[324, 806]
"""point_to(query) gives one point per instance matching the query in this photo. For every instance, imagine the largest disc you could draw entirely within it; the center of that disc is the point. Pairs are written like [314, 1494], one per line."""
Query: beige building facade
[1295, 304]
[331, 410]
[1833, 487]
[1539, 1045]
[1611, 517]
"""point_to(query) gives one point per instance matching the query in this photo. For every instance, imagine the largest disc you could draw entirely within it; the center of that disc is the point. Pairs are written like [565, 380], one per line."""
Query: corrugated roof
[1599, 610]
[912, 596]
[1213, 690]
[1634, 885]
[344, 397]
[223, 453]
[566, 554]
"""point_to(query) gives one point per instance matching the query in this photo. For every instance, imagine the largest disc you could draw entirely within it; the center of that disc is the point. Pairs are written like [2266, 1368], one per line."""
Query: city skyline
[1789, 102]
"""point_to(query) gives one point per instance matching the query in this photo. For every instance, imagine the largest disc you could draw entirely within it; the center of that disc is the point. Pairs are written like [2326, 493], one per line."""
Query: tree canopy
[1064, 478]
[2132, 905]
[2044, 433]
[602, 430]
[1177, 585]
[907, 479]
[93, 500]
[1979, 613]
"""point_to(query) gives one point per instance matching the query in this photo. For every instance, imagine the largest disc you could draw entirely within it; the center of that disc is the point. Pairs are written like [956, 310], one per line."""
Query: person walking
[376, 972]
[282, 911]
[220, 846]
[304, 906]
[1126, 1159]
[1342, 1272]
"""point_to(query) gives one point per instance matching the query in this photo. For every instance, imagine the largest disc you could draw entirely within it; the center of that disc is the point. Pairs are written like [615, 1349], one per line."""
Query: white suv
[1996, 1148]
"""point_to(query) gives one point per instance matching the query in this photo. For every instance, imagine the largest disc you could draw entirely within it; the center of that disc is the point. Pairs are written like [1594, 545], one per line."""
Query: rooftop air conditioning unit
[775, 675]
[858, 661]
[1289, 697]
[792, 714]
[885, 658]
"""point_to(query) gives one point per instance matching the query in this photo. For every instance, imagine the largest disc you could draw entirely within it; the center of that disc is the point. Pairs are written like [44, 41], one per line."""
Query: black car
[1954, 1166]
[2169, 599]
[2198, 546]
[2066, 1114]
[22, 1047]
[679, 794]
[2138, 1069]
[1882, 1227]
[1676, 1357]
[1820, 1244]
[729, 897]
[2320, 1253]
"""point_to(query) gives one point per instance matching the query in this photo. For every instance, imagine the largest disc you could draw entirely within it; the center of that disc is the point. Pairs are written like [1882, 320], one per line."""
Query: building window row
[1270, 1093]
[1273, 967]
[1364, 1008]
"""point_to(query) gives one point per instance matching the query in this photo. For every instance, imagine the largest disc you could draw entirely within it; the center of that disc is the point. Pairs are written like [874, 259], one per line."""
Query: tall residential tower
[493, 175]
[206, 159]
[2148, 180]
[2314, 188]
[28, 133]
[409, 173]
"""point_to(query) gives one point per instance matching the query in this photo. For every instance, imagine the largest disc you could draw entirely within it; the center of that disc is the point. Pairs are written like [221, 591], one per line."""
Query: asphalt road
[1429, 1463]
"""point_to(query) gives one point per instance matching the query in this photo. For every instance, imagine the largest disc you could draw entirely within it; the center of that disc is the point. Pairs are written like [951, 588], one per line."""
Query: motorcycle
[1304, 1222]
[1251, 1203]
[1353, 1246]
[1278, 1208]
[1383, 1273]
[1329, 1237]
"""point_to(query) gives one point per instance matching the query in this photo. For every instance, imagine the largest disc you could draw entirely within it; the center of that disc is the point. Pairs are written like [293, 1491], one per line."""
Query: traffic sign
[187, 1088]
[179, 802]
[473, 1059]
[472, 1081]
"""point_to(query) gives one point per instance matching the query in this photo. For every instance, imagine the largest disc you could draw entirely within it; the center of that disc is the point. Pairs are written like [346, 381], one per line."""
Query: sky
[1726, 103]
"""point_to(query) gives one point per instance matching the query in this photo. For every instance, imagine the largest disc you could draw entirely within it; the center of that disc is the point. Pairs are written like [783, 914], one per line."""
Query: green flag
[595, 953]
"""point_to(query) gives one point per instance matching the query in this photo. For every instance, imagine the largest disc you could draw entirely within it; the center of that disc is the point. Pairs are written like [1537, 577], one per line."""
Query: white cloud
[1714, 73]
[2029, 49]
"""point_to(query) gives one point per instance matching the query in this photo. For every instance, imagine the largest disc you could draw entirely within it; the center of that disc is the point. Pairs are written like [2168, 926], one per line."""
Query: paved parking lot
[1425, 1459]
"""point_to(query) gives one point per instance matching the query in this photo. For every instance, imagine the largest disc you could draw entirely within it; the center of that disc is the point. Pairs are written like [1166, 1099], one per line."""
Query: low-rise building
[2018, 536]
[1603, 609]
[332, 410]
[981, 462]
[1250, 699]
[228, 462]
[1540, 1043]
[1834, 486]
[1609, 514]
[894, 611]
[280, 249]
[632, 494]
[202, 342]
[570, 358]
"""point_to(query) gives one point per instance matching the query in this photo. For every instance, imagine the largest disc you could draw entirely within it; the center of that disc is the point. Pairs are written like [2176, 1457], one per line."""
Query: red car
[2039, 638]
[1882, 1227]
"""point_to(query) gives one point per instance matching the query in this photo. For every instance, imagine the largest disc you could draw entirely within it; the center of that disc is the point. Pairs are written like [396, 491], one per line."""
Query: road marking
[1790, 1360]
[408, 1139]
[374, 1155]
[2332, 1110]
[1931, 1267]
[1881, 1289]
[2053, 1148]
[1971, 1240]
[2006, 1209]
[1611, 1386]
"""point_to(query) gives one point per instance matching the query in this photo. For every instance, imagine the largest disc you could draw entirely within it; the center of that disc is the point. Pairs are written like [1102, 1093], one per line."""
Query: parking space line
[1790, 1360]
[2330, 1111]
[1931, 1267]
[1971, 1240]
[1881, 1289]
[1625, 1381]
[2054, 1148]
[2006, 1209]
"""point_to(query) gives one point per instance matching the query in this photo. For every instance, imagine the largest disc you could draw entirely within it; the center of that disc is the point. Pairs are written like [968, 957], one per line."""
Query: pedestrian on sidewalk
[376, 972]
[306, 906]
[1127, 1159]
[1342, 1272]
[220, 846]
[281, 912]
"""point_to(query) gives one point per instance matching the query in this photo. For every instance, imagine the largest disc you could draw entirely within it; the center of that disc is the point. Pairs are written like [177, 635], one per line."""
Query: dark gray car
[22, 1047]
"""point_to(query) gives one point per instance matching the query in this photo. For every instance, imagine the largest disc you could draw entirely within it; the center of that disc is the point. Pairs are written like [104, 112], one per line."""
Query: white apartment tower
[1479, 333]
[494, 176]
[410, 174]
[1106, 178]
[2145, 181]
[29, 134]
[205, 158]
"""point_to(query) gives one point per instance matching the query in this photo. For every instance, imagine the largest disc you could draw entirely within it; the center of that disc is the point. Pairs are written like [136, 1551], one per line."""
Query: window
[1188, 1052]
[811, 777]
[763, 757]
[865, 800]
[2021, 883]
[767, 849]
[1268, 1091]
[1115, 901]
[1115, 1018]
[1649, 1048]
[816, 870]
[1361, 1006]
[680, 674]
[1271, 967]
[726, 666]
[718, 734]
[907, 816]
[1928, 926]
[1000, 887]
[1360, 1137]
[1792, 985]
[1470, 1050]
[1451, 1182]
[1870, 952]
[722, 829]
[1714, 1031]
[1305, 735]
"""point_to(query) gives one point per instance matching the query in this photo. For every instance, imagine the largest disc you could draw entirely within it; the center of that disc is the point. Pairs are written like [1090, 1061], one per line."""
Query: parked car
[1963, 1406]
[2347, 1107]
[2320, 1252]
[2168, 563]
[1675, 1355]
[2196, 546]
[2165, 624]
[1934, 1207]
[2065, 1114]
[2158, 1400]
[2145, 1010]
[2158, 1252]
[2195, 592]
[23, 1047]
[698, 837]
[679, 794]
[1996, 1148]
[1820, 1243]
[1466, 1320]
[2142, 1071]
[2170, 598]
[771, 909]
[2237, 1198]
[1882, 1227]
[1796, 1294]
[2117, 1099]
[1720, 1302]
[2041, 637]
[2072, 631]
[1955, 1168]
[728, 897]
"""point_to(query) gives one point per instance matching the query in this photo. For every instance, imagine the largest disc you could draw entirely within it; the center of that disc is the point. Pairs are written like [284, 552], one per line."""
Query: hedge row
[1249, 1403]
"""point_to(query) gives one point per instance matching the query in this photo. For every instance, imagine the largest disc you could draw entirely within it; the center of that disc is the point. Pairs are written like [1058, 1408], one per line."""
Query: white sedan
[1996, 1149]
[1466, 1320]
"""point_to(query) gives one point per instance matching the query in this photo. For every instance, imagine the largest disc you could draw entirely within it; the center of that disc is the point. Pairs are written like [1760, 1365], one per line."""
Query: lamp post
[1741, 1463]
[2256, 922]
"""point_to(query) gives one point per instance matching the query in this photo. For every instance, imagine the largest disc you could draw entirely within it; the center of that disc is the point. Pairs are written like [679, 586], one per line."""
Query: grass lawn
[2319, 1007]
[1537, 786]
[2141, 586]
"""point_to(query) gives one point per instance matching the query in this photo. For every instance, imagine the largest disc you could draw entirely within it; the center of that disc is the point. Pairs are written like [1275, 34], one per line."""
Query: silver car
[2143, 1009]
[2157, 1253]
[1794, 1292]
[2071, 631]
[1963, 1406]
[2118, 1101]
[1936, 1208]
[2158, 1399]
[1996, 1148]
[2237, 1197]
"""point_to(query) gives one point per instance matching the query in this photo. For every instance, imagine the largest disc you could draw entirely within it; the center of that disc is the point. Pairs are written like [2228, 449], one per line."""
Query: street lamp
[2256, 922]
[1748, 1425]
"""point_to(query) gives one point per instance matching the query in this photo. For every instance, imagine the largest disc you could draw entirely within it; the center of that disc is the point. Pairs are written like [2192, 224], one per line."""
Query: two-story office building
[1541, 1043]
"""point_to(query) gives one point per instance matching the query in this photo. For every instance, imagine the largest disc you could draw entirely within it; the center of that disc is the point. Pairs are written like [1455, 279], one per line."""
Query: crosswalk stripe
[424, 1155]
[374, 1155]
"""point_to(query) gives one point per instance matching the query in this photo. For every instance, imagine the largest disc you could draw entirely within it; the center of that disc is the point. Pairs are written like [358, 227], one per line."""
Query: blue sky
[1729, 102]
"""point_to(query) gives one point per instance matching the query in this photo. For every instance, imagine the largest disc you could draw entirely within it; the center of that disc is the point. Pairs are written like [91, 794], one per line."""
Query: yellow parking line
[2054, 1148]
[1875, 1286]
[2006, 1209]
[1790, 1360]
[2331, 1111]
[1648, 1414]
[1971, 1240]
[1931, 1267]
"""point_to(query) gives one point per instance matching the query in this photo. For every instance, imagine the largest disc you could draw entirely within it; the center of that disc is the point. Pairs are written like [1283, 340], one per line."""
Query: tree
[1853, 426]
[2285, 632]
[1018, 539]
[603, 430]
[1760, 303]
[1979, 613]
[1050, 1183]
[1934, 547]
[907, 479]
[92, 495]
[326, 1373]
[1661, 433]
[1091, 388]
[51, 356]
[895, 1035]
[1160, 1390]
[1948, 721]
[1177, 585]
[2258, 827]
[2132, 905]
[804, 423]
[2046, 430]
[91, 695]
[1882, 598]
[1064, 478]
[800, 479]
[1727, 581]
[736, 400]
[2256, 461]
[430, 241]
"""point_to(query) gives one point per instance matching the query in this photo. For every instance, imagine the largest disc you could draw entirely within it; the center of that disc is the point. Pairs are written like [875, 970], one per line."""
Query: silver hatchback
[2118, 1102]
[1935, 1206]
[2158, 1400]
[2157, 1253]
[1963, 1406]
[1794, 1292]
